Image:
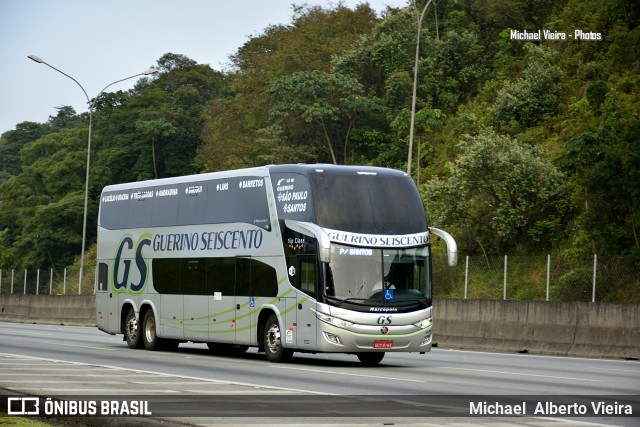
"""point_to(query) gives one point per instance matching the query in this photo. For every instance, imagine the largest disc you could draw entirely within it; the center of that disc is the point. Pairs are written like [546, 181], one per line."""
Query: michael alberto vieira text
[593, 408]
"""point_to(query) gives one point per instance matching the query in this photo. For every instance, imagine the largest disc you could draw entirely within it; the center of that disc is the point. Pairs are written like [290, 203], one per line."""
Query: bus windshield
[378, 276]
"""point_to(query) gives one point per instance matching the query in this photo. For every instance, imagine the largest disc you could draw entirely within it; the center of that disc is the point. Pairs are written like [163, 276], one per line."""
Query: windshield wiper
[361, 286]
[424, 302]
[340, 301]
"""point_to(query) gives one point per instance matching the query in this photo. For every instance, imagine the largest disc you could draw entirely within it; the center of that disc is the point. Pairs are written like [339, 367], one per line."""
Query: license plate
[383, 344]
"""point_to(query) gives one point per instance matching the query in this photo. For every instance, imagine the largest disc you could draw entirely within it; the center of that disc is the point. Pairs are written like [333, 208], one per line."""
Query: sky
[98, 42]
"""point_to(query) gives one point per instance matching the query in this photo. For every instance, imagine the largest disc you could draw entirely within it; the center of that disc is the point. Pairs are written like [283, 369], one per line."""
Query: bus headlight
[335, 321]
[426, 323]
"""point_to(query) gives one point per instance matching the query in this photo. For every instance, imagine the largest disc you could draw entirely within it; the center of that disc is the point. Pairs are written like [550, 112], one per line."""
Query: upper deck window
[367, 203]
[227, 200]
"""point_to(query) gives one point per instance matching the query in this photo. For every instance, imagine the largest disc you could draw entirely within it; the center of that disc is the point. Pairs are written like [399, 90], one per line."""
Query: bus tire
[370, 359]
[132, 330]
[149, 336]
[273, 348]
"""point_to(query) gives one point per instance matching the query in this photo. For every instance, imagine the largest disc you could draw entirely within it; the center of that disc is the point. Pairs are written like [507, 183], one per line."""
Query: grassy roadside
[13, 421]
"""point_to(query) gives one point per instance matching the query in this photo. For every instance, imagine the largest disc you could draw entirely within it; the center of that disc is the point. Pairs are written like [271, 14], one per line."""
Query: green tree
[427, 120]
[11, 142]
[605, 166]
[42, 208]
[326, 101]
[155, 129]
[500, 195]
[243, 129]
[536, 94]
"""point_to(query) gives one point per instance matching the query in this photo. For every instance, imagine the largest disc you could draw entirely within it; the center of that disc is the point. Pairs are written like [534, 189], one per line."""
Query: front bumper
[334, 339]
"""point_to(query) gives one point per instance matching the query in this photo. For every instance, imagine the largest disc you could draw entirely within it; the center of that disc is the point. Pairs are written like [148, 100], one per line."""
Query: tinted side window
[192, 203]
[293, 196]
[166, 275]
[308, 275]
[221, 275]
[204, 276]
[165, 206]
[193, 276]
[114, 209]
[221, 197]
[264, 281]
[103, 275]
[301, 252]
[243, 276]
[251, 206]
[140, 210]
[239, 199]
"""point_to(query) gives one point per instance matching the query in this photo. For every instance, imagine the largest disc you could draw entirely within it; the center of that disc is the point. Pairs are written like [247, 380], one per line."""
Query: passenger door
[244, 301]
[306, 280]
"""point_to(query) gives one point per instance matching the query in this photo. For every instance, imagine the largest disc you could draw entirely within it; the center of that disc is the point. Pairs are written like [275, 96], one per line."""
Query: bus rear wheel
[132, 330]
[370, 359]
[150, 338]
[273, 348]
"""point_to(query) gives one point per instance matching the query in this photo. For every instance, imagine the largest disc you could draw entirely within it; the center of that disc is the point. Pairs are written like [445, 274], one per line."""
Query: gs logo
[123, 258]
[384, 320]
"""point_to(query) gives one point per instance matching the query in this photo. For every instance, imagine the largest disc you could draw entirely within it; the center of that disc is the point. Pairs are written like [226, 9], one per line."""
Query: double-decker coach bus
[308, 258]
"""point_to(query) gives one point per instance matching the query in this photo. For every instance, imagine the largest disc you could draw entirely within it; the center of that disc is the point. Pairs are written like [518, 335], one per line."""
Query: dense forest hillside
[527, 136]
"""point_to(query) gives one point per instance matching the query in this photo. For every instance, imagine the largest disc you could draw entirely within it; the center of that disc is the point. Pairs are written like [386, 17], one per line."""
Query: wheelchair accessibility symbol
[388, 295]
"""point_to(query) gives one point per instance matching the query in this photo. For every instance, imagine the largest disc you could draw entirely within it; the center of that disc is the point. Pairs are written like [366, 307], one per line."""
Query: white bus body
[313, 258]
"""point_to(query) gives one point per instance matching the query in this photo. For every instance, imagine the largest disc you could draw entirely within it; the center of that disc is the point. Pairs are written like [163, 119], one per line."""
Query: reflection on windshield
[382, 275]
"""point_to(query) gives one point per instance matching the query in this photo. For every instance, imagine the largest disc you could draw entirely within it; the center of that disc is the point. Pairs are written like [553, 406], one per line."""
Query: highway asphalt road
[50, 360]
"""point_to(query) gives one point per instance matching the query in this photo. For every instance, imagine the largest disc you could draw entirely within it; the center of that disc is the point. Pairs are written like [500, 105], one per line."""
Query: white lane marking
[547, 356]
[124, 375]
[617, 370]
[22, 362]
[519, 374]
[60, 392]
[22, 333]
[162, 374]
[348, 374]
[82, 346]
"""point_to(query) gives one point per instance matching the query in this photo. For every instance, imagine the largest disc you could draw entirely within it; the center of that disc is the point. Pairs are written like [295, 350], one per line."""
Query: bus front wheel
[370, 359]
[273, 348]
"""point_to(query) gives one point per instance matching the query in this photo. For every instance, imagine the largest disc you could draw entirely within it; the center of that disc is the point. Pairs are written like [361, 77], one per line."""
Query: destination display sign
[378, 241]
[293, 196]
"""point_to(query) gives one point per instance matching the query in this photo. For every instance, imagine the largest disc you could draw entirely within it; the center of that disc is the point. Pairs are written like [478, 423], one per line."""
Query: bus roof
[303, 169]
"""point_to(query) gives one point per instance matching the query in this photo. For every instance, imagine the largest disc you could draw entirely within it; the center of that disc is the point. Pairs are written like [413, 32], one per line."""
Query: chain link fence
[540, 278]
[47, 282]
[527, 278]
